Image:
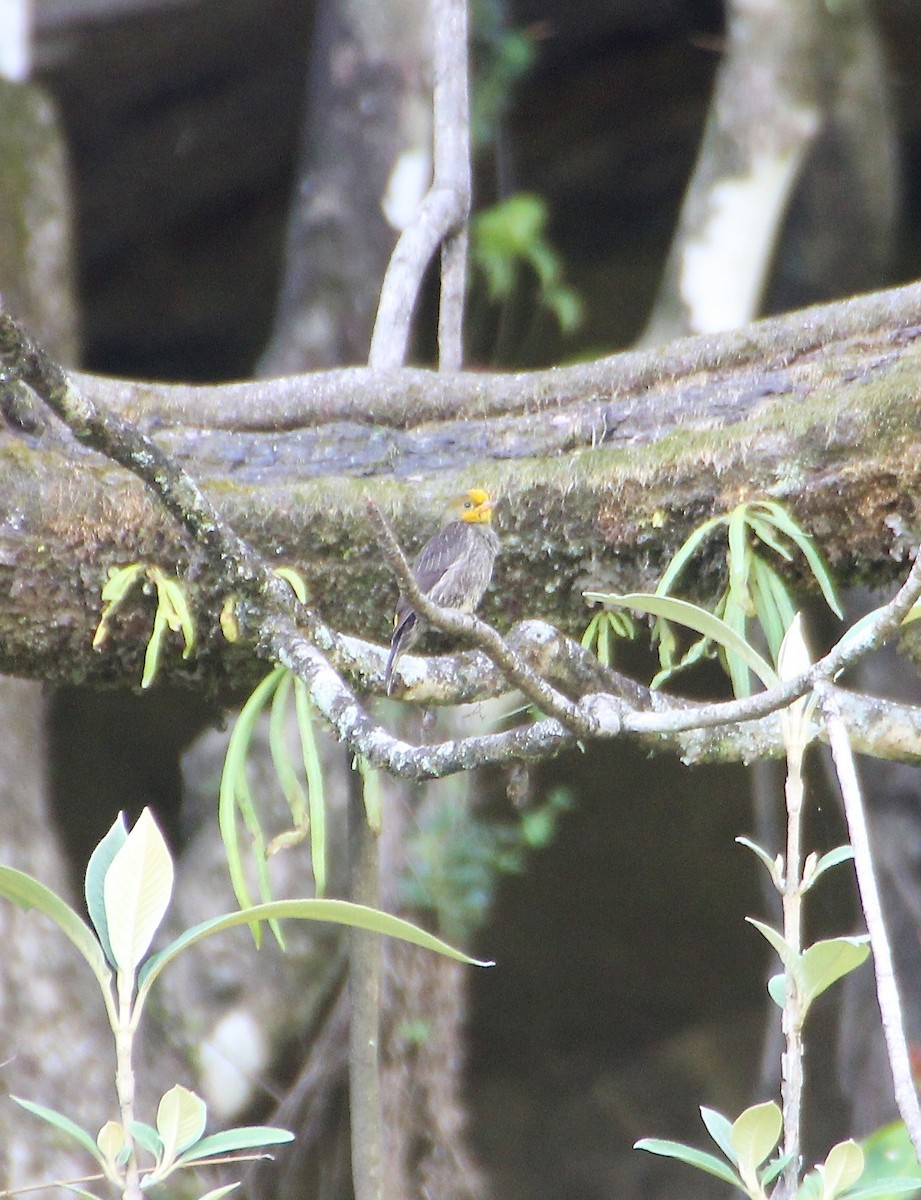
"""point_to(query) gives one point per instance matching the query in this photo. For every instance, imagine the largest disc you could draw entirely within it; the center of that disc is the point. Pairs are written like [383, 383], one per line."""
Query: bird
[453, 569]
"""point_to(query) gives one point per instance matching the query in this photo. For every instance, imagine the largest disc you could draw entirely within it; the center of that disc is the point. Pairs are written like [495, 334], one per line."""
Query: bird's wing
[438, 555]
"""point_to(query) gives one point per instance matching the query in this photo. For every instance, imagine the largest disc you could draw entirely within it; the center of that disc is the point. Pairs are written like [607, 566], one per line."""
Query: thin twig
[483, 636]
[886, 987]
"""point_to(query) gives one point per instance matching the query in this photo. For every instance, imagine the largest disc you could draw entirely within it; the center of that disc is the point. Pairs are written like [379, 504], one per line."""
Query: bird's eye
[468, 504]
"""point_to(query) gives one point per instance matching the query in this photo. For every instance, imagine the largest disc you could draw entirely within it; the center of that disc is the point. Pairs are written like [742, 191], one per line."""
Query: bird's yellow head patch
[475, 506]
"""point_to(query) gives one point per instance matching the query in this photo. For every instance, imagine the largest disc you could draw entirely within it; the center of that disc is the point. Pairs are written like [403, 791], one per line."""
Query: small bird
[452, 569]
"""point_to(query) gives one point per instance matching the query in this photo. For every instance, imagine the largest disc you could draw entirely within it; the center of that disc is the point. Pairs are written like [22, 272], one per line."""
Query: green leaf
[768, 533]
[113, 595]
[755, 1133]
[181, 1120]
[788, 955]
[219, 1192]
[832, 858]
[773, 606]
[137, 890]
[890, 1162]
[591, 631]
[111, 1142]
[339, 912]
[804, 542]
[774, 1167]
[313, 770]
[685, 553]
[738, 556]
[735, 617]
[773, 864]
[233, 785]
[720, 1129]
[28, 893]
[694, 1158]
[843, 1167]
[171, 595]
[294, 580]
[777, 989]
[147, 1137]
[295, 796]
[827, 961]
[96, 868]
[698, 619]
[152, 653]
[65, 1125]
[248, 1137]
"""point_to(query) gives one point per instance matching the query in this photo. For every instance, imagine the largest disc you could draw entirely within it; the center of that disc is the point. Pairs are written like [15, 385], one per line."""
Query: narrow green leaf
[827, 961]
[248, 1137]
[113, 595]
[604, 642]
[769, 534]
[294, 580]
[738, 558]
[233, 780]
[65, 1125]
[720, 1129]
[219, 1192]
[316, 801]
[783, 599]
[755, 1133]
[120, 582]
[96, 868]
[773, 607]
[295, 796]
[181, 1120]
[171, 595]
[339, 912]
[736, 619]
[28, 893]
[685, 553]
[588, 638]
[774, 1167]
[832, 858]
[810, 551]
[137, 890]
[788, 955]
[772, 864]
[698, 619]
[152, 653]
[694, 1158]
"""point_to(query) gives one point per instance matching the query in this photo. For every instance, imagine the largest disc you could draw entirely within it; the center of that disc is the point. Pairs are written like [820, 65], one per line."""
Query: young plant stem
[124, 1078]
[365, 1001]
[890, 1007]
[792, 1019]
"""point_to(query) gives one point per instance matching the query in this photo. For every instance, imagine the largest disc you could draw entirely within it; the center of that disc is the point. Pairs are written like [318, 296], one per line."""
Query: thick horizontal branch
[817, 409]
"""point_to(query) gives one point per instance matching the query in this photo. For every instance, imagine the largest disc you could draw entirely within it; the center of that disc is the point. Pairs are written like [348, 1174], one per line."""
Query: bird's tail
[398, 643]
